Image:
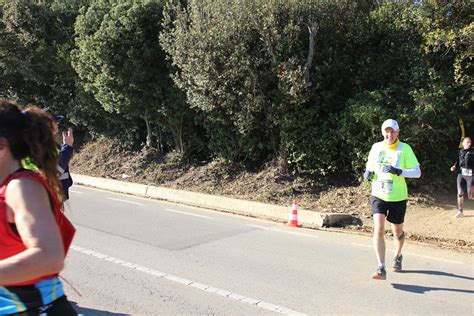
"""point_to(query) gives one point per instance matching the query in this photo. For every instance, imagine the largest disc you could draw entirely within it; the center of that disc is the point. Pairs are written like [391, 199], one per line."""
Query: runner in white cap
[390, 162]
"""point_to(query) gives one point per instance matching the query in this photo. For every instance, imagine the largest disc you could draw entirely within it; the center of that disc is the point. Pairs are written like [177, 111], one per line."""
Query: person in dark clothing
[465, 166]
[65, 155]
[66, 151]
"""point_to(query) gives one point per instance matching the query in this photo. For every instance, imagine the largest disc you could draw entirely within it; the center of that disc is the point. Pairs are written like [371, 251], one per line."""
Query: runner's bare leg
[378, 239]
[397, 230]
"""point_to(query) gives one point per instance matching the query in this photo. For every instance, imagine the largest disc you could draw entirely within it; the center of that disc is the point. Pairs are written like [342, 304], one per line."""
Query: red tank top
[10, 243]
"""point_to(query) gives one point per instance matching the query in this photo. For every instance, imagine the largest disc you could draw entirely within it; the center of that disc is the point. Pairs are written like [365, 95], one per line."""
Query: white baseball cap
[390, 123]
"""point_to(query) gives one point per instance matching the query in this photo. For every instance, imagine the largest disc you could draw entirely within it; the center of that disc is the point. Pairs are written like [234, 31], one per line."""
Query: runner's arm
[411, 173]
[65, 155]
[37, 228]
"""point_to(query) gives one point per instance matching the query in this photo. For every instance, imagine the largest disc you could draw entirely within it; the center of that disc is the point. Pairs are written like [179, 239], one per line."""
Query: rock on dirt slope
[428, 220]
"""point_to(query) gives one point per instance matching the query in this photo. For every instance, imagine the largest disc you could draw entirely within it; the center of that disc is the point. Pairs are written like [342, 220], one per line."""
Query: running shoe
[459, 214]
[397, 264]
[380, 274]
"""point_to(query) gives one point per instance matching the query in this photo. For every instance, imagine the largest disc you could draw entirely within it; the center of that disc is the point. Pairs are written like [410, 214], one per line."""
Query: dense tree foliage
[305, 82]
[33, 69]
[120, 61]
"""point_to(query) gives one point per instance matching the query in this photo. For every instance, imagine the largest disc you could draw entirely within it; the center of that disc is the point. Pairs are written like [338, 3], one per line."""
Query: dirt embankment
[428, 220]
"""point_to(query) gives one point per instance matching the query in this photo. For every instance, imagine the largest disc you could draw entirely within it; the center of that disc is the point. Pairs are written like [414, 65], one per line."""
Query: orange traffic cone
[293, 220]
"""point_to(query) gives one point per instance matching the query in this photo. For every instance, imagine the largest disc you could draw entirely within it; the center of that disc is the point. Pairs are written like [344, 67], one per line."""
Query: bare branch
[312, 29]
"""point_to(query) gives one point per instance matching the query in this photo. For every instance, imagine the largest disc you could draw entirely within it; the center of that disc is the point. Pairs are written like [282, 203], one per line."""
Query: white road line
[125, 201]
[74, 191]
[186, 213]
[283, 231]
[414, 254]
[196, 285]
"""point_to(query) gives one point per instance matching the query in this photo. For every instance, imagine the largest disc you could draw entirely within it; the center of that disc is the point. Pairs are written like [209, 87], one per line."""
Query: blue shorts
[393, 211]
[44, 297]
[58, 307]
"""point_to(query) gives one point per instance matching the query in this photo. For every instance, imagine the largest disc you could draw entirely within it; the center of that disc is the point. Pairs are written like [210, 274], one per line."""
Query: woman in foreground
[34, 233]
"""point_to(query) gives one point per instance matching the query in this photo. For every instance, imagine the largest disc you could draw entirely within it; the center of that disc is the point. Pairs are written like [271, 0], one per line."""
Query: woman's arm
[28, 202]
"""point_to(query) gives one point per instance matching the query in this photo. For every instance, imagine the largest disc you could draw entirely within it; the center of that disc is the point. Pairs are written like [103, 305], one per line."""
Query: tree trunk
[178, 138]
[283, 161]
[148, 131]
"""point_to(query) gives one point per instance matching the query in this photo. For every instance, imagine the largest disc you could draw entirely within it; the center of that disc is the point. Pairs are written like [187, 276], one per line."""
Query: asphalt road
[137, 256]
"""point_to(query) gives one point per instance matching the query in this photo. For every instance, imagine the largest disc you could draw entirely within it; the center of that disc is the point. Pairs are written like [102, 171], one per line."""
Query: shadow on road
[93, 312]
[441, 273]
[423, 289]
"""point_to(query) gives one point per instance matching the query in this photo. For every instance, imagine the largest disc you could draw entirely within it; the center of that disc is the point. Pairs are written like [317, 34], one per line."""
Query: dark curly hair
[29, 135]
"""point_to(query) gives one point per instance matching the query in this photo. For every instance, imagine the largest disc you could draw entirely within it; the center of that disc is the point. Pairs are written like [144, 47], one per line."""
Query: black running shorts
[393, 211]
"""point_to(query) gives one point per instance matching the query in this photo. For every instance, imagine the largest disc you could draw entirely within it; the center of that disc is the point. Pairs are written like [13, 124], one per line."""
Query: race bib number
[466, 172]
[385, 186]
